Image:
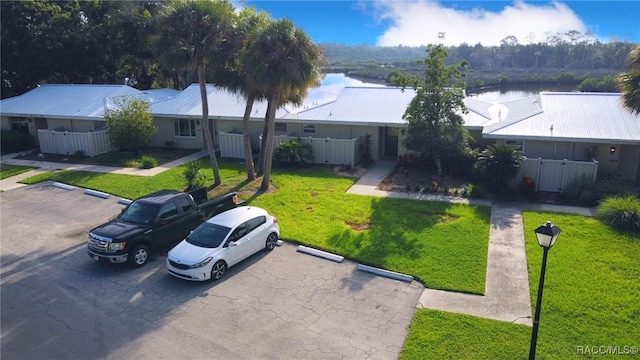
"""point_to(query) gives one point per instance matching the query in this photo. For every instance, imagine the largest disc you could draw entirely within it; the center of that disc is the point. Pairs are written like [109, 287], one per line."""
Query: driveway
[57, 303]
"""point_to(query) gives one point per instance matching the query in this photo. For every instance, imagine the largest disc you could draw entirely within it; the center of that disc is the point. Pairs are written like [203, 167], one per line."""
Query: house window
[20, 125]
[309, 129]
[516, 144]
[281, 128]
[184, 127]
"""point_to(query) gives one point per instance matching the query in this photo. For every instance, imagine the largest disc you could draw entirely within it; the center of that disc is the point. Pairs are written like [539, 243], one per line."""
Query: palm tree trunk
[263, 143]
[436, 158]
[205, 123]
[271, 120]
[246, 136]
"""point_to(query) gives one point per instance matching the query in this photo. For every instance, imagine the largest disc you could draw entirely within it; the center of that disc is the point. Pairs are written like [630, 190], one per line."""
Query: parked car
[157, 220]
[223, 241]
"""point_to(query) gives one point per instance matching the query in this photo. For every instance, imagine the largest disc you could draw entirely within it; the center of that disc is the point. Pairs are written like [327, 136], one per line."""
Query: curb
[385, 273]
[320, 253]
[124, 201]
[99, 194]
[63, 186]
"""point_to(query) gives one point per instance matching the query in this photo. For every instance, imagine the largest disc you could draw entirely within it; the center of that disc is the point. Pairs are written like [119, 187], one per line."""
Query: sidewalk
[507, 281]
[45, 166]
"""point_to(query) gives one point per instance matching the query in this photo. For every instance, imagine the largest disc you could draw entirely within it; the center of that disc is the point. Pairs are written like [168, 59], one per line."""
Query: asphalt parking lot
[57, 303]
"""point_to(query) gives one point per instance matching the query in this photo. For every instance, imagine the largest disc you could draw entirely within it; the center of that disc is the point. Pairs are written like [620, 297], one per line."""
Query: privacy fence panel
[556, 175]
[326, 150]
[68, 143]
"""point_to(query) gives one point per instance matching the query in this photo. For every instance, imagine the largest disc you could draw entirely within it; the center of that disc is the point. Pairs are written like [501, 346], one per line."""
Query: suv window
[255, 222]
[168, 211]
[185, 204]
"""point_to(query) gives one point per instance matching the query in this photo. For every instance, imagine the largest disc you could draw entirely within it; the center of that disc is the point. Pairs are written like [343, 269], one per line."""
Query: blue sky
[418, 22]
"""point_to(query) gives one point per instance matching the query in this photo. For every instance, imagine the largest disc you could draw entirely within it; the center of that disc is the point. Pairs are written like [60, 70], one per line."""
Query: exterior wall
[59, 124]
[628, 161]
[165, 133]
[4, 123]
[82, 125]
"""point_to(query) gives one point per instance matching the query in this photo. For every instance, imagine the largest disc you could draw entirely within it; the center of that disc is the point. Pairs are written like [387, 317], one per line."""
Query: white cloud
[415, 23]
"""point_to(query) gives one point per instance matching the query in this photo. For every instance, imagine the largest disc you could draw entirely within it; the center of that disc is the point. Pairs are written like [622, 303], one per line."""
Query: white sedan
[221, 242]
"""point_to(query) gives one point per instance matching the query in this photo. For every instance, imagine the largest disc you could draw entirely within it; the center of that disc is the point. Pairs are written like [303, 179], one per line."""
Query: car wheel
[272, 240]
[218, 269]
[139, 256]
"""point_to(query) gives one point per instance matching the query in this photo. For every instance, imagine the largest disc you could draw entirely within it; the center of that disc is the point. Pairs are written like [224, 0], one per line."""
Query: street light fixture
[547, 235]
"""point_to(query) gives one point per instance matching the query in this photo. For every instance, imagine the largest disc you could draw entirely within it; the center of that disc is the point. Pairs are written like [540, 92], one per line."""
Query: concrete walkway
[507, 281]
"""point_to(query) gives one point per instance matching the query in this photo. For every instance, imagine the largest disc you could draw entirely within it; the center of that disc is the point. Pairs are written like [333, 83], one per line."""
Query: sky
[419, 22]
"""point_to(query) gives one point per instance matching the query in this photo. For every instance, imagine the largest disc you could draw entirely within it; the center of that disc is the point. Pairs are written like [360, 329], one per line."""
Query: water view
[332, 84]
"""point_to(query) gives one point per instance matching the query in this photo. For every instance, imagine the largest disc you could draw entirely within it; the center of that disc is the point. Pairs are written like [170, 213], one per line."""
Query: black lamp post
[547, 235]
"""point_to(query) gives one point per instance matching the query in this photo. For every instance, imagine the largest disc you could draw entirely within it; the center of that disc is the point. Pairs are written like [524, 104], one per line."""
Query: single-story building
[590, 130]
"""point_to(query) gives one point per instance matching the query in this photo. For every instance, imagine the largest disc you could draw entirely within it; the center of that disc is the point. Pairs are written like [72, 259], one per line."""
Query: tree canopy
[435, 124]
[130, 124]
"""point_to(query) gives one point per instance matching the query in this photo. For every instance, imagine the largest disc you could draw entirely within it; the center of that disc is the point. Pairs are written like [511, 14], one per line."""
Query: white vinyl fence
[555, 175]
[325, 150]
[67, 143]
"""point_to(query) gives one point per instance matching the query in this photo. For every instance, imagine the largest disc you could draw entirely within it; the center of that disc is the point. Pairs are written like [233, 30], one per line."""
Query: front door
[391, 143]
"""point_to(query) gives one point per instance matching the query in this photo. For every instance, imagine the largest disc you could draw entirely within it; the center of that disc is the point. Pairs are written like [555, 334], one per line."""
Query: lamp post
[547, 235]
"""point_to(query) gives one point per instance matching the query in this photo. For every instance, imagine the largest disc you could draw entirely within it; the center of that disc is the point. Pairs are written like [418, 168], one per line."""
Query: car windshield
[139, 213]
[208, 235]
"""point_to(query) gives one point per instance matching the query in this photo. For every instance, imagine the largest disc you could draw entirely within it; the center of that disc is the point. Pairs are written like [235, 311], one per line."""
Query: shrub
[622, 212]
[79, 154]
[13, 141]
[148, 162]
[365, 151]
[527, 186]
[195, 178]
[581, 191]
[497, 165]
[476, 191]
[293, 152]
[130, 124]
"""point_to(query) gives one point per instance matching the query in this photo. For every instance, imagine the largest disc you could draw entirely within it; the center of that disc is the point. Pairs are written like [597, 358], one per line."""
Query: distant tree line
[569, 58]
[107, 42]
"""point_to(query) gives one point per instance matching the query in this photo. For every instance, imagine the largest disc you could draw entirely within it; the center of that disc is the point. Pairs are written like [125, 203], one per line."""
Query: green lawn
[443, 245]
[7, 171]
[591, 298]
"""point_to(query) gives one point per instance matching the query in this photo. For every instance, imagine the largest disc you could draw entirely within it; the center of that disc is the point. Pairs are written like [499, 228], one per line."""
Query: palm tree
[497, 165]
[190, 33]
[629, 82]
[282, 62]
[250, 23]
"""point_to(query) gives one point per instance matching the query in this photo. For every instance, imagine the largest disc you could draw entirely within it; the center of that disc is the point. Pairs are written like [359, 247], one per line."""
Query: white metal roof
[73, 101]
[579, 117]
[222, 104]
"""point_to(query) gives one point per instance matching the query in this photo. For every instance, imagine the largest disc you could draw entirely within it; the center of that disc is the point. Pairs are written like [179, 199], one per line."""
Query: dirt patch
[350, 171]
[442, 218]
[358, 227]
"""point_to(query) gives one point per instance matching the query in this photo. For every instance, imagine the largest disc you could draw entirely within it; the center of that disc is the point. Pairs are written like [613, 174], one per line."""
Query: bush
[79, 154]
[293, 152]
[14, 141]
[476, 192]
[581, 191]
[148, 162]
[365, 151]
[130, 124]
[527, 186]
[622, 212]
[195, 178]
